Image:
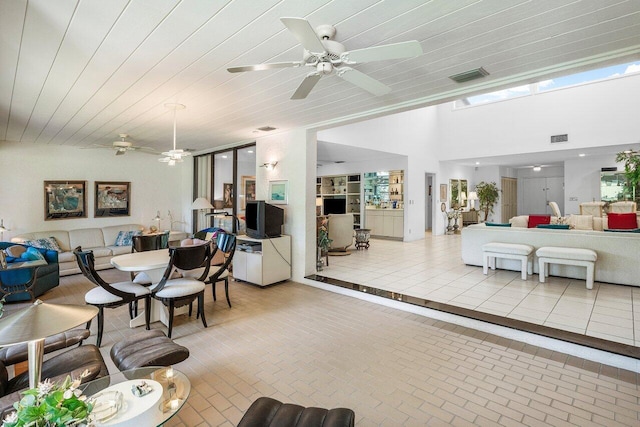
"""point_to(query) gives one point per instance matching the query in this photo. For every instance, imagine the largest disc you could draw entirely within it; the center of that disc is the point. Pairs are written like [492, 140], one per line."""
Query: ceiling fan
[326, 56]
[122, 146]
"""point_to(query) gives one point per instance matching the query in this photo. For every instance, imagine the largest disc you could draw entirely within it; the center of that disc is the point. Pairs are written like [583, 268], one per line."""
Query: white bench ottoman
[524, 253]
[567, 256]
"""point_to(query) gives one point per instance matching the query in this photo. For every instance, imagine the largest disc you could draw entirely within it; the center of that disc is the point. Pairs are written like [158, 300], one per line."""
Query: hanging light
[176, 155]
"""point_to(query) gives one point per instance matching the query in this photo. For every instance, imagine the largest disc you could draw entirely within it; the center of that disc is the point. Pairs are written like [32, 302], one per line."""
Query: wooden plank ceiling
[80, 72]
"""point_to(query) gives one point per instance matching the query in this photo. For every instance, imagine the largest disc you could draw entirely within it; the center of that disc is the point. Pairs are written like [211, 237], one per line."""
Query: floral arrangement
[51, 405]
[323, 236]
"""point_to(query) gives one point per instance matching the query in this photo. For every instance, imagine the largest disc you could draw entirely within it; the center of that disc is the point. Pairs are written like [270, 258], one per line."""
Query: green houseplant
[488, 195]
[631, 161]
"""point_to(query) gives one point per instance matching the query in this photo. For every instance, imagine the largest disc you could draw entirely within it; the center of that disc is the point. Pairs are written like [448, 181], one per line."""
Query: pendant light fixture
[176, 155]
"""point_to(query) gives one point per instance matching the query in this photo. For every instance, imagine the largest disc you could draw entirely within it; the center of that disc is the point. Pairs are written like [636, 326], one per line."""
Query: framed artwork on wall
[112, 199]
[65, 199]
[443, 192]
[228, 195]
[279, 192]
[249, 190]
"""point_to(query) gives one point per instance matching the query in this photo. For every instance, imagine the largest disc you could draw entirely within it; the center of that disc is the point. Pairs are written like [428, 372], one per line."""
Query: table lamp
[200, 204]
[473, 196]
[157, 218]
[2, 229]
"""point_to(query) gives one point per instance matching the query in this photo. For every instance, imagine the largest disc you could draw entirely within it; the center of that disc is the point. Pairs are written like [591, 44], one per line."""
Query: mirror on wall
[458, 193]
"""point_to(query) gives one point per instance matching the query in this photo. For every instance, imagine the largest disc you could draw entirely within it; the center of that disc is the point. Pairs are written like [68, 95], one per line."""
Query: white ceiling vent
[469, 75]
[559, 138]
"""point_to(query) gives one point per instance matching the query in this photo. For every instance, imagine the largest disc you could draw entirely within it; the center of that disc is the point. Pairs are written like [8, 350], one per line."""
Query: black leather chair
[183, 291]
[112, 295]
[267, 412]
[226, 243]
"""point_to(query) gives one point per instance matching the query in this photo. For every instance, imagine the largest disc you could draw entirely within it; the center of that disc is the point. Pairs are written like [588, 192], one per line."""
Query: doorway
[428, 202]
[538, 192]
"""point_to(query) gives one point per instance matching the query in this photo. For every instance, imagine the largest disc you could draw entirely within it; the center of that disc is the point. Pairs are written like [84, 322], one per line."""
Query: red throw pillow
[622, 221]
[534, 220]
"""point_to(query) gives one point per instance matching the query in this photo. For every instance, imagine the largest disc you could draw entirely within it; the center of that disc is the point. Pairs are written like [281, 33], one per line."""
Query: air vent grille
[267, 128]
[559, 138]
[469, 75]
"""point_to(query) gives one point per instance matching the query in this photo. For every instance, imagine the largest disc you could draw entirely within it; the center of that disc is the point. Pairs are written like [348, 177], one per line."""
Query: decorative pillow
[622, 221]
[15, 251]
[554, 226]
[581, 222]
[534, 220]
[628, 230]
[32, 254]
[124, 238]
[49, 243]
[519, 221]
[496, 224]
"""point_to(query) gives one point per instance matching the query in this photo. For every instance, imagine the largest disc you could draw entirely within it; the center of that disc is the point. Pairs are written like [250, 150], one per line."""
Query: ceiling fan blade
[305, 87]
[380, 53]
[259, 67]
[362, 80]
[305, 34]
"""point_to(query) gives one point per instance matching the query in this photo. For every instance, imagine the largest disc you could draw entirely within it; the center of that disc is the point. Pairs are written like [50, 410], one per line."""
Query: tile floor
[305, 345]
[432, 269]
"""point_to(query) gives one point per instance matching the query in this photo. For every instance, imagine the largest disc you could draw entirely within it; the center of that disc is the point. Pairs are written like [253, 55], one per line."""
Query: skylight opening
[551, 84]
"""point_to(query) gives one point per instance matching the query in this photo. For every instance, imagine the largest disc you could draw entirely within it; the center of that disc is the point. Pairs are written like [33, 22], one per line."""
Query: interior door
[534, 192]
[555, 193]
[509, 198]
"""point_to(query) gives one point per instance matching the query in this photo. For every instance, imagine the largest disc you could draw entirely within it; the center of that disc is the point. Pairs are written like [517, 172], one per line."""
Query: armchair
[623, 207]
[47, 276]
[340, 228]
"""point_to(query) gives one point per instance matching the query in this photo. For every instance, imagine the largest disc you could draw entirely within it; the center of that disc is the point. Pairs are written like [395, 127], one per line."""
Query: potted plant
[631, 161]
[488, 195]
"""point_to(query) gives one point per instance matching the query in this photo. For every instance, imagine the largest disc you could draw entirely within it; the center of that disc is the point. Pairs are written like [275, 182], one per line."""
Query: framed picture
[278, 192]
[228, 195]
[112, 199]
[65, 199]
[443, 192]
[249, 190]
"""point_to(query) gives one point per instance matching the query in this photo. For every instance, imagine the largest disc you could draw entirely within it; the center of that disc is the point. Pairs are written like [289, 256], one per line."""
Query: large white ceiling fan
[121, 146]
[326, 56]
[176, 154]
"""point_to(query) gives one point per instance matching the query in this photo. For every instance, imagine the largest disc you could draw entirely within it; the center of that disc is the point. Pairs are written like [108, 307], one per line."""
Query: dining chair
[110, 295]
[181, 291]
[225, 243]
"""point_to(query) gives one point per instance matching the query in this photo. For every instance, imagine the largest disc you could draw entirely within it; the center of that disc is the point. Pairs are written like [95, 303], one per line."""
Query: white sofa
[617, 252]
[100, 240]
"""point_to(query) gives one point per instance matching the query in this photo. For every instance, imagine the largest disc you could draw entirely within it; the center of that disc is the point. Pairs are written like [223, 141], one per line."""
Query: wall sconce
[269, 165]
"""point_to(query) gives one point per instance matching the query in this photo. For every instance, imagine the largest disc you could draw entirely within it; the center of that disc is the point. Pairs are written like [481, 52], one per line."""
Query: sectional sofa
[102, 241]
[617, 251]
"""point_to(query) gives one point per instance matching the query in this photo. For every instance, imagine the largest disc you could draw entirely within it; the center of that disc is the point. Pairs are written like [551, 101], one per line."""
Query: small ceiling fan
[122, 146]
[326, 56]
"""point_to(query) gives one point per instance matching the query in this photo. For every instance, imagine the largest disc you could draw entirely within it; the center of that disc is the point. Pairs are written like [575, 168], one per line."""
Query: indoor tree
[631, 161]
[488, 195]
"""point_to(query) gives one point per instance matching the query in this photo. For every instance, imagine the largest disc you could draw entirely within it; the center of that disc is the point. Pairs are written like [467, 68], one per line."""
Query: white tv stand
[262, 261]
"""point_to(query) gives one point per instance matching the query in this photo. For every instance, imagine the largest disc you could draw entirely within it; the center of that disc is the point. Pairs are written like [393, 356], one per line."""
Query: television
[334, 206]
[263, 220]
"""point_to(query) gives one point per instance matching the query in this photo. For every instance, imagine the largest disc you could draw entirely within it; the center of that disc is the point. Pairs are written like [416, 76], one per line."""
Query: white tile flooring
[433, 269]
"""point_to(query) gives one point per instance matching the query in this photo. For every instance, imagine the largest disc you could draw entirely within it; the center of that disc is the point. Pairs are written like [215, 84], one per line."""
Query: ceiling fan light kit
[326, 56]
[175, 155]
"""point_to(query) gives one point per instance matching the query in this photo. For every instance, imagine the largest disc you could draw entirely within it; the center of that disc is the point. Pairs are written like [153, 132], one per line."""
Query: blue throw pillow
[33, 254]
[49, 243]
[496, 224]
[554, 226]
[124, 238]
[622, 230]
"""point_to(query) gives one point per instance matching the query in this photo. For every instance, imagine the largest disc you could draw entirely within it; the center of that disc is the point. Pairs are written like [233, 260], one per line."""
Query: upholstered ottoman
[147, 348]
[567, 256]
[267, 412]
[493, 250]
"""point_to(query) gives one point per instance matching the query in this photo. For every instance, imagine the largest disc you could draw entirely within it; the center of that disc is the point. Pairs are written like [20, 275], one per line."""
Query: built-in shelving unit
[339, 193]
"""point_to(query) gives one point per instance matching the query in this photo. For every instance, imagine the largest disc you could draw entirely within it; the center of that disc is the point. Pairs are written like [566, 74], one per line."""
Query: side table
[9, 288]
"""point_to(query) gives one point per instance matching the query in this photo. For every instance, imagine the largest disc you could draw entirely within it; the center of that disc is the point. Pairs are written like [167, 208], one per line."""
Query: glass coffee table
[115, 403]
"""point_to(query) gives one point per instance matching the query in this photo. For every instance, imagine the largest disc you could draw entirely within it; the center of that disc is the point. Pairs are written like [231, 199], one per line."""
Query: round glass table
[117, 399]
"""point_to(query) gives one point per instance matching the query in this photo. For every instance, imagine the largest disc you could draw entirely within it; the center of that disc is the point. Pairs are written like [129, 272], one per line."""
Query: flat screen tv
[334, 206]
[263, 220]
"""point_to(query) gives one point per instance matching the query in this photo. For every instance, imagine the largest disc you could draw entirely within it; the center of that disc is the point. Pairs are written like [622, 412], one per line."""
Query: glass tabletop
[164, 391]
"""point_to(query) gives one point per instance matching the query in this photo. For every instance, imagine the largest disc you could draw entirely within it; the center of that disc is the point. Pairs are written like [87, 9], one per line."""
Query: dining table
[153, 264]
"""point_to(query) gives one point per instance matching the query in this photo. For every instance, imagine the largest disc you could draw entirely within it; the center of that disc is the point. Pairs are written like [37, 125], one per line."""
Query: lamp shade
[201, 203]
[473, 195]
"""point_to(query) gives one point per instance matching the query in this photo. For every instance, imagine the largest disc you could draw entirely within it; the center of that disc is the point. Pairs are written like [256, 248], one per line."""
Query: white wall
[593, 115]
[154, 185]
